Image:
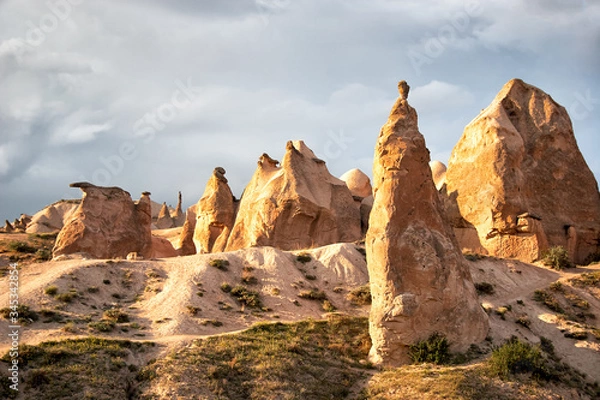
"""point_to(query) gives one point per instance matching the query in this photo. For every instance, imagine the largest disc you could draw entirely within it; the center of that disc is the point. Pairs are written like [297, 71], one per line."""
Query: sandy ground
[161, 296]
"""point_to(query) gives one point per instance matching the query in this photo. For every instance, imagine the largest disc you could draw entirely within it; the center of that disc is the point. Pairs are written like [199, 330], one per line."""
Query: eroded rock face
[164, 220]
[186, 237]
[215, 215]
[419, 280]
[107, 224]
[519, 156]
[178, 215]
[53, 217]
[438, 173]
[296, 205]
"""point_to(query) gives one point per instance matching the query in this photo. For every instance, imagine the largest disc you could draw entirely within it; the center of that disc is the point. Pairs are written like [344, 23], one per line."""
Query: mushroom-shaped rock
[358, 182]
[420, 282]
[519, 156]
[107, 224]
[296, 205]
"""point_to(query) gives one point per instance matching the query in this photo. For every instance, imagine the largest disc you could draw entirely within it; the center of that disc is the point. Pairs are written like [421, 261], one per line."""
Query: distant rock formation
[107, 224]
[164, 220]
[420, 283]
[518, 179]
[8, 227]
[178, 215]
[358, 182]
[438, 172]
[215, 215]
[296, 205]
[186, 237]
[53, 217]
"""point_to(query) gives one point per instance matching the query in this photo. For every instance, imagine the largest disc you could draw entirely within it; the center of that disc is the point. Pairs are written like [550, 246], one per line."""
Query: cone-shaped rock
[215, 214]
[107, 224]
[164, 220]
[295, 206]
[518, 177]
[419, 280]
[178, 215]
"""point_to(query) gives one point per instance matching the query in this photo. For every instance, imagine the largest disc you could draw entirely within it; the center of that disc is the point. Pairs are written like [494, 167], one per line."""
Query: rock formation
[107, 224]
[296, 205]
[178, 214]
[8, 227]
[164, 220]
[358, 182]
[162, 248]
[186, 237]
[438, 172]
[215, 215]
[53, 217]
[519, 180]
[419, 280]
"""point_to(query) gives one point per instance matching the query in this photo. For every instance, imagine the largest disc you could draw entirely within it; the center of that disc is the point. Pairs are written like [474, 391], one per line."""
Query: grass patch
[116, 315]
[51, 290]
[547, 299]
[21, 247]
[246, 297]
[304, 360]
[557, 258]
[589, 279]
[90, 368]
[484, 288]
[516, 357]
[24, 314]
[360, 296]
[104, 325]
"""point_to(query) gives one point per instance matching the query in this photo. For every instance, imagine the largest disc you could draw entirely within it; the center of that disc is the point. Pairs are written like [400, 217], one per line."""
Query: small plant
[484, 288]
[592, 258]
[557, 258]
[193, 310]
[473, 256]
[66, 297]
[248, 278]
[310, 277]
[21, 247]
[520, 302]
[43, 254]
[546, 345]
[275, 291]
[219, 264]
[360, 296]
[435, 349]
[303, 258]
[106, 281]
[577, 335]
[557, 287]
[524, 321]
[116, 315]
[246, 297]
[51, 290]
[548, 300]
[93, 289]
[338, 289]
[225, 287]
[212, 322]
[69, 328]
[501, 311]
[516, 357]
[102, 325]
[24, 314]
[587, 279]
[327, 306]
[313, 294]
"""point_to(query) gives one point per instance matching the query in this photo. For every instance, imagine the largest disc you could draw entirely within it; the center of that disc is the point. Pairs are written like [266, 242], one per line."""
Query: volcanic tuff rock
[164, 220]
[296, 205]
[186, 237]
[358, 182]
[178, 214]
[53, 217]
[518, 177]
[419, 280]
[107, 224]
[438, 172]
[215, 214]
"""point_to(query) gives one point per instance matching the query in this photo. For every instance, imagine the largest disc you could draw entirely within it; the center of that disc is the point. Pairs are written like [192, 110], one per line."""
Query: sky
[152, 95]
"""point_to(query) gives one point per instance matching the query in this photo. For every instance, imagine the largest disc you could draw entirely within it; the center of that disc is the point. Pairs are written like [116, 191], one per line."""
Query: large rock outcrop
[215, 215]
[296, 205]
[419, 280]
[53, 217]
[186, 237]
[107, 224]
[520, 182]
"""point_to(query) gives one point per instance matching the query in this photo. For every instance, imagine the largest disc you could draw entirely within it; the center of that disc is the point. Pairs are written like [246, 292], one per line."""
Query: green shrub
[219, 264]
[548, 300]
[435, 349]
[303, 258]
[246, 297]
[473, 256]
[328, 307]
[193, 310]
[587, 279]
[524, 321]
[516, 357]
[484, 288]
[226, 287]
[66, 297]
[25, 314]
[116, 315]
[43, 254]
[360, 296]
[313, 294]
[21, 247]
[93, 289]
[557, 257]
[51, 290]
[103, 325]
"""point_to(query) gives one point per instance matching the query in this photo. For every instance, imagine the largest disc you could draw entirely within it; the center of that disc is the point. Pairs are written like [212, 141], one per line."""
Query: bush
[360, 296]
[66, 297]
[226, 287]
[327, 306]
[246, 297]
[193, 310]
[435, 349]
[219, 264]
[516, 357]
[313, 294]
[548, 300]
[524, 321]
[25, 314]
[248, 278]
[43, 254]
[484, 288]
[21, 247]
[557, 258]
[303, 258]
[51, 290]
[102, 325]
[116, 315]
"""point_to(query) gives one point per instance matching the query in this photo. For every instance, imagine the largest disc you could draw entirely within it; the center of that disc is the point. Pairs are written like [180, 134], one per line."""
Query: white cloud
[78, 134]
